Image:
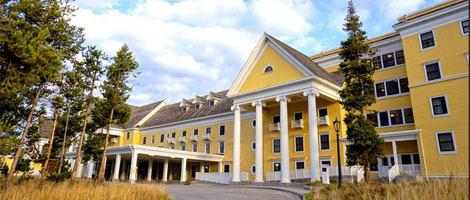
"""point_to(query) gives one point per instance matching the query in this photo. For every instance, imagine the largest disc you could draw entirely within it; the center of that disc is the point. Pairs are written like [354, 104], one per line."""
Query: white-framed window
[211, 102]
[432, 71]
[153, 139]
[128, 135]
[322, 112]
[183, 147]
[300, 164]
[276, 166]
[183, 133]
[222, 130]
[253, 170]
[298, 116]
[446, 142]
[227, 168]
[276, 145]
[221, 147]
[144, 140]
[276, 119]
[208, 130]
[464, 27]
[299, 143]
[389, 59]
[392, 87]
[196, 106]
[173, 135]
[162, 138]
[427, 40]
[172, 147]
[196, 132]
[253, 123]
[268, 69]
[207, 148]
[439, 106]
[324, 141]
[395, 117]
[253, 146]
[195, 147]
[183, 109]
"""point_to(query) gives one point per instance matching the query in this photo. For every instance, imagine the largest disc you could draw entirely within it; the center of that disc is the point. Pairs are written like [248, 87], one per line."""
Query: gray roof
[173, 113]
[139, 112]
[313, 67]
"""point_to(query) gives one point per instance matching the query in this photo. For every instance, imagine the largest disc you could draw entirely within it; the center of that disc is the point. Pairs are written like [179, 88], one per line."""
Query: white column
[236, 144]
[165, 170]
[149, 170]
[285, 177]
[133, 172]
[117, 165]
[183, 170]
[259, 141]
[201, 168]
[395, 155]
[221, 167]
[315, 173]
[79, 169]
[89, 170]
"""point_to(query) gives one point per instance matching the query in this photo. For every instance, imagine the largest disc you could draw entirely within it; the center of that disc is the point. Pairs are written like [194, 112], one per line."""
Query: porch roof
[158, 151]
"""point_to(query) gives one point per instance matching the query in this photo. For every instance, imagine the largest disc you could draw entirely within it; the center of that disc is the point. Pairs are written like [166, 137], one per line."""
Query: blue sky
[192, 47]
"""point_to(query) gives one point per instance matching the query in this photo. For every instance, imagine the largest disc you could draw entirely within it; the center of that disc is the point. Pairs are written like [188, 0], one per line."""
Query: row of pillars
[285, 173]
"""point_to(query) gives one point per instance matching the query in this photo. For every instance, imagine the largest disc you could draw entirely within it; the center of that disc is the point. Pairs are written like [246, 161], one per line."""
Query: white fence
[222, 178]
[305, 173]
[414, 169]
[393, 172]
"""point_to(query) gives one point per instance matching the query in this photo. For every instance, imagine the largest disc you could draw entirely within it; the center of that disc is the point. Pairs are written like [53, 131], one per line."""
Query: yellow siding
[283, 72]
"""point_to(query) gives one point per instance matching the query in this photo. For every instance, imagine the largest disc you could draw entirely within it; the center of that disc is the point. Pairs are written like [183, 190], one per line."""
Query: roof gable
[299, 61]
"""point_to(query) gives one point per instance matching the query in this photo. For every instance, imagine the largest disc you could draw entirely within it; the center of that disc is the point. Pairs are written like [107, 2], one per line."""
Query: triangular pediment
[268, 53]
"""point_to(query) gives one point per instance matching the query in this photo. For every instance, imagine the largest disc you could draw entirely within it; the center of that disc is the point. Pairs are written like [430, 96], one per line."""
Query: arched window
[253, 123]
[268, 68]
[253, 169]
[253, 145]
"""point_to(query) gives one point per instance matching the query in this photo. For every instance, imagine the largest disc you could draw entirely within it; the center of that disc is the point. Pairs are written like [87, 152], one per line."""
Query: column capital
[235, 107]
[311, 92]
[258, 103]
[282, 98]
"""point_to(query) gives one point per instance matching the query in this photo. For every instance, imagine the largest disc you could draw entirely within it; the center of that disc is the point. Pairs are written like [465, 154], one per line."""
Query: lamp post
[337, 125]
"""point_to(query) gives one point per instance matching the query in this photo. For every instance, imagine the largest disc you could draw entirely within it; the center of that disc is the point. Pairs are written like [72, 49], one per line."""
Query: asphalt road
[218, 192]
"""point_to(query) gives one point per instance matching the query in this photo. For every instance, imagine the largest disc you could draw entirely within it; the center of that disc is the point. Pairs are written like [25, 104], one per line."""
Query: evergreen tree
[91, 69]
[358, 94]
[116, 91]
[36, 37]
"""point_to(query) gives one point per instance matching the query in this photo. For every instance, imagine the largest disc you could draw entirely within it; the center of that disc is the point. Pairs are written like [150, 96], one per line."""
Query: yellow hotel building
[275, 121]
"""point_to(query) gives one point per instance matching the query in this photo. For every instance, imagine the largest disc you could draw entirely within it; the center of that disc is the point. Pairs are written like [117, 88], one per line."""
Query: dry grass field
[451, 189]
[81, 190]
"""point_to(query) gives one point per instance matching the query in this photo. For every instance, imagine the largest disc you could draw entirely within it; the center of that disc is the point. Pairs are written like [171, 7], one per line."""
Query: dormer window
[268, 68]
[211, 103]
[184, 109]
[196, 106]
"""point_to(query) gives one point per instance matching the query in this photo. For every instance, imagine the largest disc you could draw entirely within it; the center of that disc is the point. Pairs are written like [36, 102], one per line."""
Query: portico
[145, 163]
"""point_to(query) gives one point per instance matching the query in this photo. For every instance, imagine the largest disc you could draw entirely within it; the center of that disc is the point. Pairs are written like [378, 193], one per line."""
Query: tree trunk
[103, 158]
[49, 149]
[62, 153]
[366, 174]
[79, 150]
[23, 136]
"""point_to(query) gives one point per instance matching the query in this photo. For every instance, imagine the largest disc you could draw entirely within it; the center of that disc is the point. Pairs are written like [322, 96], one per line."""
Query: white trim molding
[453, 141]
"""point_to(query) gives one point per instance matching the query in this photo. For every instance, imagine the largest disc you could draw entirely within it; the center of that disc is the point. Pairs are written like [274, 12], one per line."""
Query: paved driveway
[197, 191]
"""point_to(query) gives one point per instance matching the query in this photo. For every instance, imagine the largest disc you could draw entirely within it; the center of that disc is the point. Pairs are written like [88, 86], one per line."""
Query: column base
[115, 180]
[259, 181]
[285, 181]
[132, 181]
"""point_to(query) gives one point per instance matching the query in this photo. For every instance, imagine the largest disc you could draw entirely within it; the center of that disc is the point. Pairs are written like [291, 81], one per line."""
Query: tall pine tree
[116, 90]
[358, 94]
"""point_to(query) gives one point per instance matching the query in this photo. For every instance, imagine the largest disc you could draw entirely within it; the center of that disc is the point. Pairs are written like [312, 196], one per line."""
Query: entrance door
[193, 171]
[385, 163]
